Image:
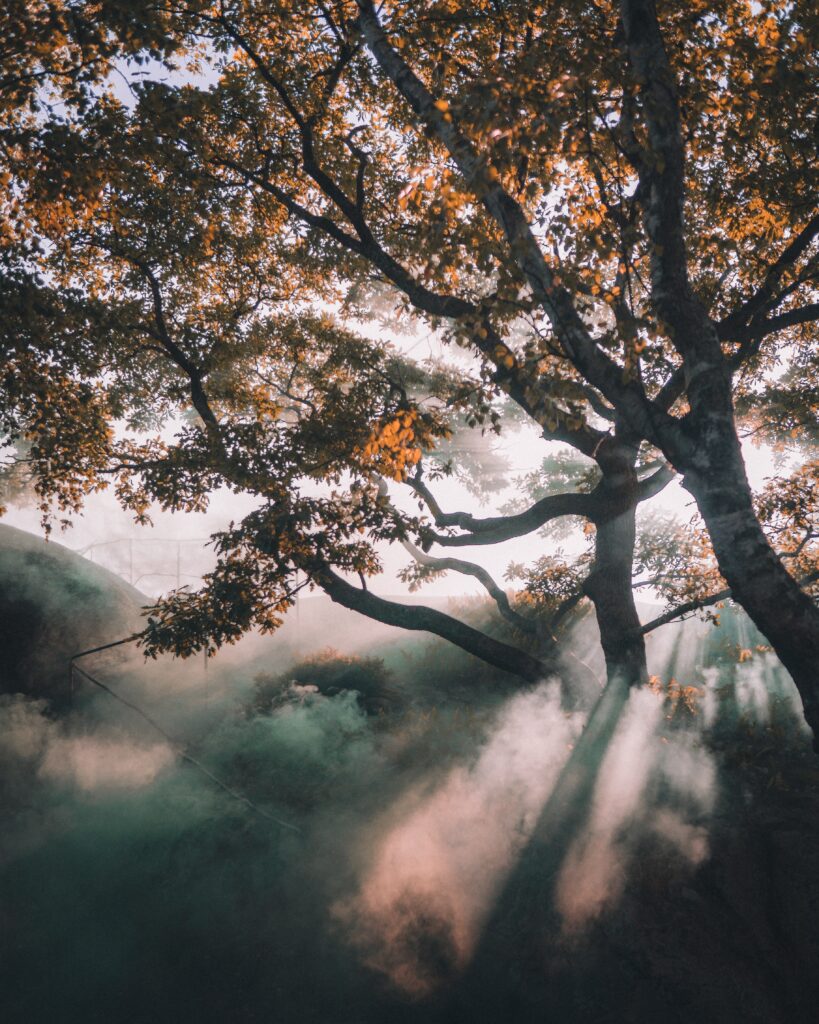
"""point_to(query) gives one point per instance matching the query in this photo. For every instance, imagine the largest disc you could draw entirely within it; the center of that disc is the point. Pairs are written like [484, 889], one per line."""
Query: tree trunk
[566, 811]
[610, 582]
[759, 582]
[714, 473]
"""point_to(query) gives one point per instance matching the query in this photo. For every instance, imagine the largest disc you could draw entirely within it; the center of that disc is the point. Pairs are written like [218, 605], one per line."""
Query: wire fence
[153, 565]
[157, 565]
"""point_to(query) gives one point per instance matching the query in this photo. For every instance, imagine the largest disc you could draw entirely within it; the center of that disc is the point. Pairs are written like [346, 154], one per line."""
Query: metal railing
[137, 559]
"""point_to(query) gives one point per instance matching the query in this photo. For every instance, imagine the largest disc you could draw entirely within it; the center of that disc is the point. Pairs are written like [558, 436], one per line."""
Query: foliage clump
[329, 673]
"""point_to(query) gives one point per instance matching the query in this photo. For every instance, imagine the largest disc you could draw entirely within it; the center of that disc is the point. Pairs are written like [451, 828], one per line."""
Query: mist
[388, 830]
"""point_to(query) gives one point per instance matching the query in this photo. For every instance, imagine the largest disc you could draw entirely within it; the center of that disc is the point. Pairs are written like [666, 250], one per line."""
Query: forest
[471, 347]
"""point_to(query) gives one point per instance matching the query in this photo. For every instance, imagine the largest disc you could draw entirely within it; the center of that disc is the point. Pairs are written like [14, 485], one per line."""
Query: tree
[612, 210]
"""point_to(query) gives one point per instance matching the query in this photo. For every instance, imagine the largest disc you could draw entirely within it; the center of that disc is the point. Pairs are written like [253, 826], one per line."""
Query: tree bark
[759, 582]
[710, 455]
[609, 584]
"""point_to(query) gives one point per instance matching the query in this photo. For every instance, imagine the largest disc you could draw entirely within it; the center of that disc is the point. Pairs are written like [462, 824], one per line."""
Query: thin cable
[105, 647]
[177, 747]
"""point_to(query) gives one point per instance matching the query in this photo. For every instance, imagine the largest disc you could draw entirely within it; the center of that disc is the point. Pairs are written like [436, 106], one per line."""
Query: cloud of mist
[106, 758]
[650, 780]
[445, 853]
[132, 880]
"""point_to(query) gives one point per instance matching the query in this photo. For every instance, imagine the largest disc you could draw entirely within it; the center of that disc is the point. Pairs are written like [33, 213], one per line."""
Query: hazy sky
[106, 526]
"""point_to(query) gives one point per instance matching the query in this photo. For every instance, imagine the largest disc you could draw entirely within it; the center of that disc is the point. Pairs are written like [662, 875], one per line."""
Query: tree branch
[704, 602]
[419, 617]
[477, 572]
[661, 175]
[598, 368]
[765, 293]
[655, 483]
[496, 529]
[533, 400]
[758, 329]
[662, 194]
[672, 389]
[195, 375]
[188, 367]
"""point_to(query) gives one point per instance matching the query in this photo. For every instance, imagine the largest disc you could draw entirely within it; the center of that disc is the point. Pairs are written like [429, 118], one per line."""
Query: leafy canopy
[213, 211]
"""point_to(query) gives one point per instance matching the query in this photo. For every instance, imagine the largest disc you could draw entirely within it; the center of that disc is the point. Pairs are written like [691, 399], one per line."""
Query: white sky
[154, 557]
[154, 551]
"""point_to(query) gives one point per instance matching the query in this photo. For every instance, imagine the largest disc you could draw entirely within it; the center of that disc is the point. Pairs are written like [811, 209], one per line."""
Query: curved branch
[655, 483]
[419, 617]
[685, 609]
[479, 573]
[603, 410]
[495, 529]
[758, 329]
[704, 602]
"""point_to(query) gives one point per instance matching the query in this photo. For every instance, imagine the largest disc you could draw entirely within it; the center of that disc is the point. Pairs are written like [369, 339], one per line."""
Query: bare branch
[704, 602]
[655, 483]
[759, 329]
[477, 572]
[496, 529]
[419, 617]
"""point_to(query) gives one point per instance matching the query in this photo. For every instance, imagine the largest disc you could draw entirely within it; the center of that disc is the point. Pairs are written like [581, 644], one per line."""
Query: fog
[316, 837]
[290, 832]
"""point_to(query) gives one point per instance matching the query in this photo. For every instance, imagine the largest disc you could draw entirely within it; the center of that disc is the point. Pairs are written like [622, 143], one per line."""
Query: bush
[329, 673]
